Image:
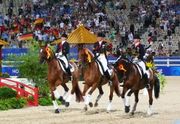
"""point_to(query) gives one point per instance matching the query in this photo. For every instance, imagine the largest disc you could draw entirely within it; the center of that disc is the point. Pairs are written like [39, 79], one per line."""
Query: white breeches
[103, 61]
[63, 58]
[143, 66]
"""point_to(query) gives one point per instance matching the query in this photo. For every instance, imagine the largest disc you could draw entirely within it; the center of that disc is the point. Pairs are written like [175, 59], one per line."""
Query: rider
[139, 59]
[100, 52]
[62, 51]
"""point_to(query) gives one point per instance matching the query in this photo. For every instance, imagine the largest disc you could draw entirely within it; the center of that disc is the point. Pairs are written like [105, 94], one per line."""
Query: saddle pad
[61, 65]
[140, 70]
[71, 67]
[100, 68]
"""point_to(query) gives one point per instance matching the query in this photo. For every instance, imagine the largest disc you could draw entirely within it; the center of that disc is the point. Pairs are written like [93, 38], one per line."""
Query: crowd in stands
[119, 21]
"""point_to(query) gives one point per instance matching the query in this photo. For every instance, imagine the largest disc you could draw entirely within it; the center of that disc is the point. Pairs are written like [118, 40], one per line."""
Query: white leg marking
[149, 112]
[56, 94]
[109, 106]
[69, 98]
[127, 101]
[55, 104]
[65, 95]
[127, 98]
[124, 100]
[98, 97]
[87, 100]
[145, 92]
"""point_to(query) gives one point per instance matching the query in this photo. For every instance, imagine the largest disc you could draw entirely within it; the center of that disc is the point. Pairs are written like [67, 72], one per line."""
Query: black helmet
[100, 34]
[64, 35]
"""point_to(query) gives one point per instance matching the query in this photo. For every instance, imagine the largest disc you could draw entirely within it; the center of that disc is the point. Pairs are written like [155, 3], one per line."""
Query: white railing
[165, 62]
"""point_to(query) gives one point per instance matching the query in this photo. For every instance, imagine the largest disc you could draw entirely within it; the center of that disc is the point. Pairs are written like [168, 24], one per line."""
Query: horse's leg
[53, 95]
[76, 90]
[110, 99]
[127, 100]
[88, 96]
[149, 112]
[86, 87]
[63, 98]
[136, 101]
[99, 96]
[123, 95]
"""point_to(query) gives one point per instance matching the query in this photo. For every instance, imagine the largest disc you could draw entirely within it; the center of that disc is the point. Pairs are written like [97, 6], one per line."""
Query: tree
[30, 68]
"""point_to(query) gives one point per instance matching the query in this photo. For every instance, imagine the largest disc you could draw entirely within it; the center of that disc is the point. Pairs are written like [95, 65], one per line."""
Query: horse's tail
[115, 84]
[156, 87]
[79, 97]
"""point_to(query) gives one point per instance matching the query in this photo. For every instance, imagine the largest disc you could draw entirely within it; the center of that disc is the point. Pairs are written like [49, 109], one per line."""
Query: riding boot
[69, 72]
[108, 76]
[146, 81]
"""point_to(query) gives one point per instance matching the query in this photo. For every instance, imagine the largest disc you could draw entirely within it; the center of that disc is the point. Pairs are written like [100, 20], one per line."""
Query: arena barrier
[23, 90]
[169, 66]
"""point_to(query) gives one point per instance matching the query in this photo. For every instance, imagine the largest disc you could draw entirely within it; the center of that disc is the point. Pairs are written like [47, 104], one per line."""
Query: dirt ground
[166, 110]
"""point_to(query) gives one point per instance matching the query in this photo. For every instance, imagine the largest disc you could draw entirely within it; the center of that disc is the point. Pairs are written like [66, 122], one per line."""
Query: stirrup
[148, 86]
[110, 83]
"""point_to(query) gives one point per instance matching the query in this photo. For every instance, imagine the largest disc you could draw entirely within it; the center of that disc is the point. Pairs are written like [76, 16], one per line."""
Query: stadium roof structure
[2, 42]
[81, 36]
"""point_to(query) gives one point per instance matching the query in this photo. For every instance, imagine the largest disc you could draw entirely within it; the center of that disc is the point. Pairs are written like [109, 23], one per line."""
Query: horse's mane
[91, 54]
[50, 52]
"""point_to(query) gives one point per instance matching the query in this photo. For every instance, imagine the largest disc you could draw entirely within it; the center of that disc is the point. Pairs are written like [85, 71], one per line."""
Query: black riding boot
[146, 81]
[69, 72]
[108, 76]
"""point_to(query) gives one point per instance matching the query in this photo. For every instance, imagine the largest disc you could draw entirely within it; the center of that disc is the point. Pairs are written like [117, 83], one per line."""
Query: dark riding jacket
[140, 49]
[99, 48]
[64, 48]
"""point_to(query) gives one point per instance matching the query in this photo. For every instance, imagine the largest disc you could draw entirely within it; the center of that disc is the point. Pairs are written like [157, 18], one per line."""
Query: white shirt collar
[100, 42]
[63, 42]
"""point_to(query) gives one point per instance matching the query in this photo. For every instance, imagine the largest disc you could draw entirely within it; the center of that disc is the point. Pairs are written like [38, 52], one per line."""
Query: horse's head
[122, 64]
[45, 54]
[85, 55]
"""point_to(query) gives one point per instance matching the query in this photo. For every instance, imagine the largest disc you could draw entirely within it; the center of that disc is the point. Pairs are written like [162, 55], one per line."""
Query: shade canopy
[2, 42]
[81, 36]
[56, 41]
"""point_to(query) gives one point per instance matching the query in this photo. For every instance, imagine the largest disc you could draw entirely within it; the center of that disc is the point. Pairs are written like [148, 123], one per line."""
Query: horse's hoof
[132, 113]
[127, 109]
[95, 104]
[91, 104]
[67, 104]
[57, 111]
[85, 108]
[149, 113]
[62, 100]
[108, 111]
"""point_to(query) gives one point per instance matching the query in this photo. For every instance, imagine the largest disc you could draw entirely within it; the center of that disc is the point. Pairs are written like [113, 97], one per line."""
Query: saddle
[101, 69]
[63, 66]
[139, 69]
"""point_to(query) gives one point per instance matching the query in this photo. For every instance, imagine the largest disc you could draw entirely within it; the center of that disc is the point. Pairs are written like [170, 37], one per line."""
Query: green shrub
[12, 103]
[162, 80]
[6, 93]
[45, 101]
[5, 75]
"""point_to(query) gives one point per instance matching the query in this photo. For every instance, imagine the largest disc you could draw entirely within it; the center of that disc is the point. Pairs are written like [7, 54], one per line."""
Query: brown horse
[133, 82]
[56, 77]
[94, 79]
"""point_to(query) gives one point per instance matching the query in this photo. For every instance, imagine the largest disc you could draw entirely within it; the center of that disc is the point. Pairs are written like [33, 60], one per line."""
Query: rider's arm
[65, 49]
